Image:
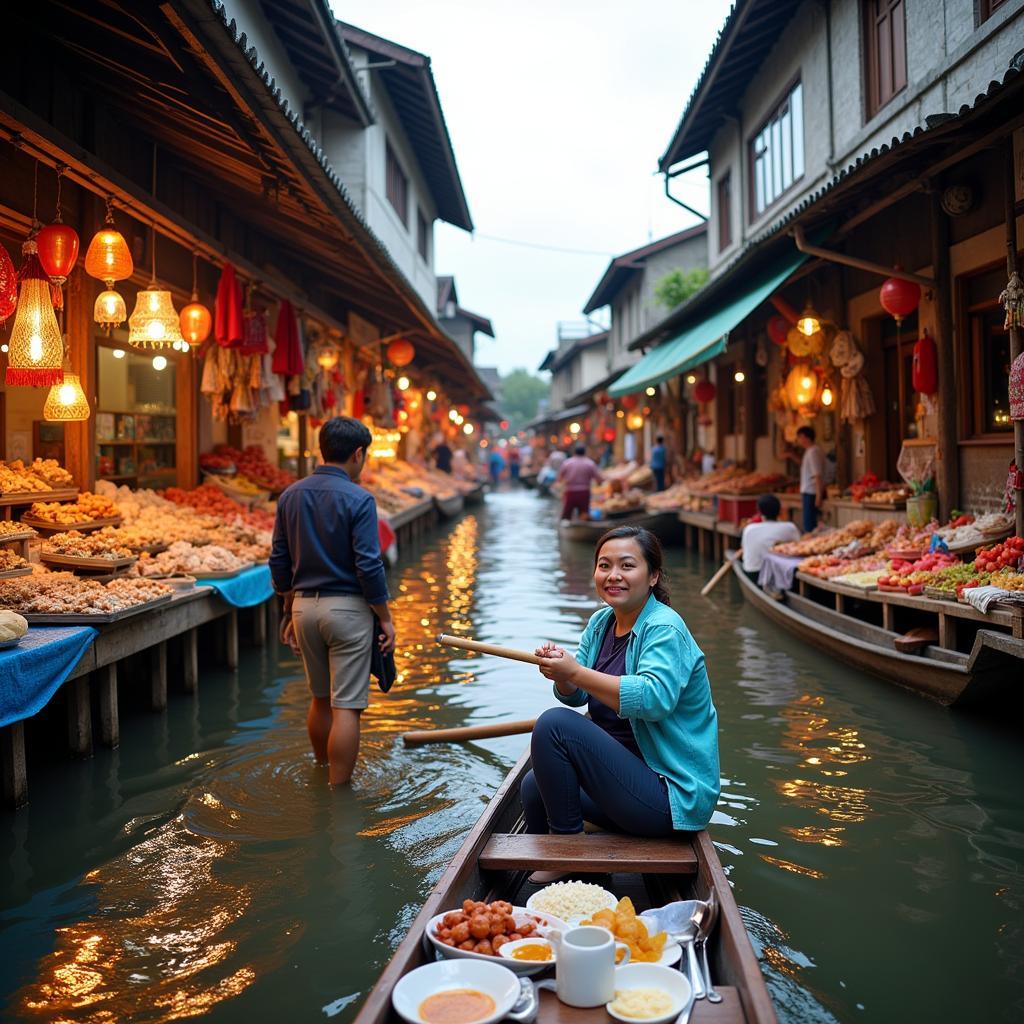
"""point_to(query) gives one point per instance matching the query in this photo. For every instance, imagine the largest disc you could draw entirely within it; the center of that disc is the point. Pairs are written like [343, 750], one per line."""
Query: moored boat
[496, 857]
[475, 496]
[449, 506]
[664, 525]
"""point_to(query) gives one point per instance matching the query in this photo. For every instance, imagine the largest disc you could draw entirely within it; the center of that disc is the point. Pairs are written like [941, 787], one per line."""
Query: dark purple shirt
[612, 660]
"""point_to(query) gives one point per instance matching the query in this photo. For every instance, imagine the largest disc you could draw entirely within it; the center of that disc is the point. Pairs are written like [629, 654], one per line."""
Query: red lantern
[705, 391]
[629, 402]
[8, 285]
[401, 352]
[609, 435]
[899, 298]
[464, 409]
[587, 426]
[778, 329]
[195, 322]
[925, 374]
[58, 251]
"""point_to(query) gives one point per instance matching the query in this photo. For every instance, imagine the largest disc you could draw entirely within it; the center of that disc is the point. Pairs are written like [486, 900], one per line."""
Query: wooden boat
[497, 856]
[449, 507]
[985, 676]
[475, 496]
[664, 525]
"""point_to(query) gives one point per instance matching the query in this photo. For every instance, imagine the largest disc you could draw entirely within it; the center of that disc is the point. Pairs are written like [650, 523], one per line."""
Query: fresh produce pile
[213, 501]
[912, 538]
[717, 480]
[253, 464]
[967, 531]
[889, 496]
[914, 576]
[828, 567]
[670, 498]
[616, 504]
[1007, 555]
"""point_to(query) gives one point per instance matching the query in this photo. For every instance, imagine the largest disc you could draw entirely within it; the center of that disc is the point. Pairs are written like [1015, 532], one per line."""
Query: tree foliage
[678, 285]
[521, 392]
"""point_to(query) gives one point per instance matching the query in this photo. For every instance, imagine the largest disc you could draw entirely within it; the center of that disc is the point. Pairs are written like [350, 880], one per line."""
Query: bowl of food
[534, 950]
[456, 992]
[649, 993]
[478, 930]
[571, 901]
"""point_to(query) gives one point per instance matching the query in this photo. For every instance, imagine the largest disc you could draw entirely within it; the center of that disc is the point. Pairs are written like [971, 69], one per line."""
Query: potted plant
[923, 505]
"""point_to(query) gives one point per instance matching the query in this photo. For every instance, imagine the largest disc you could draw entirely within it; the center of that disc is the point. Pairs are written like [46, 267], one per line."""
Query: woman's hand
[558, 665]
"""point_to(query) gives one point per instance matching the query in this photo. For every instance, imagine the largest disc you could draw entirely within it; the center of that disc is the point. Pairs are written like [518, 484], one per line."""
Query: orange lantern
[196, 321]
[108, 257]
[801, 386]
[401, 352]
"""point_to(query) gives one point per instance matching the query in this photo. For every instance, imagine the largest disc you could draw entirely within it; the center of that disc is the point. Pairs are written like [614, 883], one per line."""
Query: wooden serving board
[225, 574]
[85, 561]
[10, 574]
[42, 526]
[31, 497]
[6, 538]
[74, 619]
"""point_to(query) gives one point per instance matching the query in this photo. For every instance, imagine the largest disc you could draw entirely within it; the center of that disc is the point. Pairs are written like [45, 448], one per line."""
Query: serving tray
[77, 619]
[224, 574]
[86, 561]
[42, 526]
[10, 574]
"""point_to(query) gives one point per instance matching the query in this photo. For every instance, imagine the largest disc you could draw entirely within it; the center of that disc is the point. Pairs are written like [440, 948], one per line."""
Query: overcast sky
[558, 111]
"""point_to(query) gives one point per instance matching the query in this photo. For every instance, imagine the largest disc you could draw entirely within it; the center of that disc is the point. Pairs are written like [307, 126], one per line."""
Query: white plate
[610, 903]
[506, 951]
[544, 922]
[494, 979]
[652, 976]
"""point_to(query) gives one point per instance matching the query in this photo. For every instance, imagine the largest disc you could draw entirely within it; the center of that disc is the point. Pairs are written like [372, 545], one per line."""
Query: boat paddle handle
[717, 578]
[467, 733]
[499, 652]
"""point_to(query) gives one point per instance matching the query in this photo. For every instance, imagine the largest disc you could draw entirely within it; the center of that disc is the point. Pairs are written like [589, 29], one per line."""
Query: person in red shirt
[577, 473]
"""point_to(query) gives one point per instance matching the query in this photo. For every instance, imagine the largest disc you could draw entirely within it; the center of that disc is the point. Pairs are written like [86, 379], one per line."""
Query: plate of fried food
[478, 930]
[644, 948]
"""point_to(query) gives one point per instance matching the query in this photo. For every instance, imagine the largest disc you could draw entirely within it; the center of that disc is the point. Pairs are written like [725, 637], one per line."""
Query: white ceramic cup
[585, 965]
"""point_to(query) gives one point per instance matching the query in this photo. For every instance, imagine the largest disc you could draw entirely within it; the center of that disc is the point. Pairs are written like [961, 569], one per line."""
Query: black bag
[382, 666]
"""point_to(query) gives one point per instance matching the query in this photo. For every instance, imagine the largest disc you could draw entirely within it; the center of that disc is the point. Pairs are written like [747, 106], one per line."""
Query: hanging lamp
[66, 402]
[36, 350]
[196, 320]
[108, 257]
[154, 322]
[109, 310]
[808, 322]
[58, 243]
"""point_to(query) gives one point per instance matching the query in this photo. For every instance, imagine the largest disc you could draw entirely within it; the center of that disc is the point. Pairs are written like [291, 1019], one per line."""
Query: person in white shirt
[812, 477]
[758, 539]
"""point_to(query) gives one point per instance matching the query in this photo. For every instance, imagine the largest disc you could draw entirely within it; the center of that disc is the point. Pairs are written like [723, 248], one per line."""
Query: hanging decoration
[288, 359]
[778, 329]
[705, 392]
[1011, 298]
[8, 286]
[66, 402]
[154, 323]
[401, 352]
[898, 297]
[195, 320]
[228, 319]
[856, 401]
[809, 322]
[109, 310]
[58, 245]
[1017, 388]
[108, 257]
[629, 402]
[254, 326]
[761, 353]
[827, 396]
[925, 372]
[36, 350]
[802, 387]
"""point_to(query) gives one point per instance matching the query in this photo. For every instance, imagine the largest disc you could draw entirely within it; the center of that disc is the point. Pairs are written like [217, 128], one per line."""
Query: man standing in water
[326, 564]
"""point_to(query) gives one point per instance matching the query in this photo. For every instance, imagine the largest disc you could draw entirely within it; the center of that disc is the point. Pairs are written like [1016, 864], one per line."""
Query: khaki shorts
[335, 636]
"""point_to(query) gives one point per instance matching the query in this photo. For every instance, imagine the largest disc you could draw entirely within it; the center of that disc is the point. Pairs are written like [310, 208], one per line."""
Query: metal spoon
[704, 933]
[677, 919]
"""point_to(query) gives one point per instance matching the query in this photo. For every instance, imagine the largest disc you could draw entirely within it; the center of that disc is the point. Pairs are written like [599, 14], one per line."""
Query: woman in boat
[646, 760]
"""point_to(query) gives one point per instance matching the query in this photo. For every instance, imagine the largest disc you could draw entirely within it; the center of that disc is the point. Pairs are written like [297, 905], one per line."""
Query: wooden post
[158, 681]
[259, 626]
[190, 660]
[12, 764]
[79, 717]
[110, 728]
[1010, 196]
[947, 466]
[888, 617]
[231, 639]
[303, 462]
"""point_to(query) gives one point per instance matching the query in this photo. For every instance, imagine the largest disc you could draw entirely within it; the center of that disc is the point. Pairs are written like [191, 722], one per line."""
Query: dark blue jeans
[810, 503]
[659, 479]
[580, 772]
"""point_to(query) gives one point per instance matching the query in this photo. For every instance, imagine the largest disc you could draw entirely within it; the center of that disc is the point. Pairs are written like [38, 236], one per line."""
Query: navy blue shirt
[612, 660]
[326, 539]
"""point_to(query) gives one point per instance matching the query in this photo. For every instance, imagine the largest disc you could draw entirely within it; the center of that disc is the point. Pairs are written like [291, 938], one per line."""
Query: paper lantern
[108, 257]
[464, 409]
[629, 402]
[154, 323]
[58, 251]
[925, 372]
[66, 402]
[195, 322]
[635, 421]
[705, 392]
[809, 322]
[109, 310]
[401, 352]
[8, 286]
[777, 328]
[801, 386]
[36, 354]
[802, 345]
[899, 298]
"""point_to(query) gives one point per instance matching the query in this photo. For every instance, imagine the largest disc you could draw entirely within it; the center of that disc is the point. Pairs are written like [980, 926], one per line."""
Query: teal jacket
[666, 696]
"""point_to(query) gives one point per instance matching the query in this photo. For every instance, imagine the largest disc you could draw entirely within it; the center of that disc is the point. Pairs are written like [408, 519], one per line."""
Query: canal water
[875, 841]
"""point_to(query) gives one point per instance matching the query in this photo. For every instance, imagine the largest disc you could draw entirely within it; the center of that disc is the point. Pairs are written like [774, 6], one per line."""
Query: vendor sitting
[646, 761]
[758, 539]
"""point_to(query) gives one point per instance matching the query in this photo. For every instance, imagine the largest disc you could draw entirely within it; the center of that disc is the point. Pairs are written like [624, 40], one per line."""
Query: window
[777, 153]
[422, 236]
[885, 52]
[397, 185]
[725, 211]
[986, 8]
[986, 356]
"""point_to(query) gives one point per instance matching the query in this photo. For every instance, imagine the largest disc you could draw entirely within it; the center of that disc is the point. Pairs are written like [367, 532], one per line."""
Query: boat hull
[664, 525]
[450, 507]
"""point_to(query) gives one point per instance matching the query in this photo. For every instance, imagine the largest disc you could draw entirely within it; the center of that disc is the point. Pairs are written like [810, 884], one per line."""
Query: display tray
[884, 506]
[10, 574]
[31, 497]
[940, 595]
[77, 619]
[41, 526]
[915, 591]
[20, 535]
[905, 554]
[150, 549]
[86, 561]
[225, 574]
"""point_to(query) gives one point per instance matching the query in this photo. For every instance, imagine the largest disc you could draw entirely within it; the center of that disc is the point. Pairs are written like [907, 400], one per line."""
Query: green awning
[705, 339]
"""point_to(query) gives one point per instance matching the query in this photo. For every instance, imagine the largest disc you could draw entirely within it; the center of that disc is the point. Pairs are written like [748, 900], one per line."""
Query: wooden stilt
[158, 676]
[259, 626]
[190, 660]
[12, 762]
[231, 639]
[110, 727]
[79, 717]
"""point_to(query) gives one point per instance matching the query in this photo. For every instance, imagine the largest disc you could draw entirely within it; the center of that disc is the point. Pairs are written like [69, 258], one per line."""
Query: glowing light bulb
[159, 363]
[651, 392]
[574, 428]
[118, 353]
[5, 347]
[739, 376]
[827, 397]
[431, 395]
[155, 330]
[468, 429]
[805, 383]
[403, 383]
[452, 415]
[691, 379]
[35, 347]
[66, 395]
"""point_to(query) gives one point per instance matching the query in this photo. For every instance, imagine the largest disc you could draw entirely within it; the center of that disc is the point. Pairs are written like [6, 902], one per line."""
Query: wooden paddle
[499, 652]
[467, 733]
[717, 578]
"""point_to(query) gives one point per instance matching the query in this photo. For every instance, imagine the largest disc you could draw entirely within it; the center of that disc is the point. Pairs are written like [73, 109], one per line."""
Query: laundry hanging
[288, 359]
[228, 321]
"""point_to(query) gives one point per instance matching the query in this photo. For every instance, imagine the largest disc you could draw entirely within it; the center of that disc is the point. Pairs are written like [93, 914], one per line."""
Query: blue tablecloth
[777, 572]
[32, 672]
[245, 590]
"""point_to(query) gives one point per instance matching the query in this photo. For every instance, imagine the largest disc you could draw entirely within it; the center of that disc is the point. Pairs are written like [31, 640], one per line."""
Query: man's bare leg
[343, 744]
[318, 724]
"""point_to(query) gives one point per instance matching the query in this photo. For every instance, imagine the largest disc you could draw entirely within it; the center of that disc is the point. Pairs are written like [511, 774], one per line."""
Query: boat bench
[598, 854]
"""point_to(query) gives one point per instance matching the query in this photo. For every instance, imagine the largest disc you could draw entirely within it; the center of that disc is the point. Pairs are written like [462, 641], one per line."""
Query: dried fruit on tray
[9, 560]
[61, 593]
[105, 543]
[87, 509]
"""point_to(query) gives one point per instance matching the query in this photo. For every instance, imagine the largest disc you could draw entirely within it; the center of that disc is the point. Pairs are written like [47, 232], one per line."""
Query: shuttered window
[776, 153]
[397, 185]
[725, 211]
[422, 236]
[885, 52]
